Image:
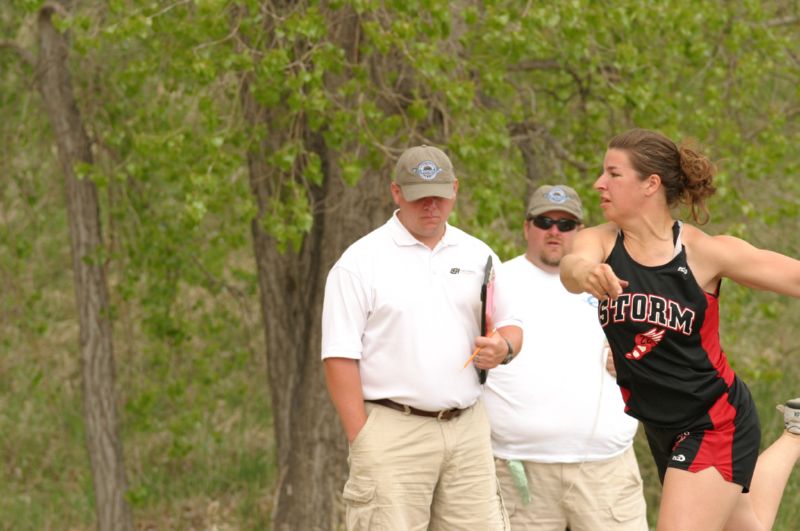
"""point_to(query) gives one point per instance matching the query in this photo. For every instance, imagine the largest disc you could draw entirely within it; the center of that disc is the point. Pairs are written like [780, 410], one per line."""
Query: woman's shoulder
[596, 241]
[694, 237]
[603, 230]
[605, 233]
[709, 255]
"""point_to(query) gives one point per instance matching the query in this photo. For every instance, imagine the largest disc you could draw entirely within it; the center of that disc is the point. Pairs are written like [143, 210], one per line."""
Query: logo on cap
[557, 195]
[427, 169]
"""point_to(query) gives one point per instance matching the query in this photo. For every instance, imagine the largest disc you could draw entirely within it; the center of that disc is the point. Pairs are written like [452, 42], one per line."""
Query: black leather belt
[445, 414]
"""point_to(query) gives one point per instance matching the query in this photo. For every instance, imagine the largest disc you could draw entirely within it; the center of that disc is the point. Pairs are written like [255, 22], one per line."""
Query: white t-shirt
[555, 403]
[411, 315]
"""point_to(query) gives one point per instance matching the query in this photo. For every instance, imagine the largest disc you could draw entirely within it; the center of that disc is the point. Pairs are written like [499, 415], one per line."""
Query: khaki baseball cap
[424, 171]
[555, 197]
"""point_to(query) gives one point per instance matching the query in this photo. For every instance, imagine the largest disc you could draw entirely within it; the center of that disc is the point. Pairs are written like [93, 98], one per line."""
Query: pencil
[475, 352]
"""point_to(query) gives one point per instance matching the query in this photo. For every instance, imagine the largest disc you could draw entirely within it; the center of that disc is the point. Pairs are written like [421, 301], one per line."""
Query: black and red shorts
[727, 437]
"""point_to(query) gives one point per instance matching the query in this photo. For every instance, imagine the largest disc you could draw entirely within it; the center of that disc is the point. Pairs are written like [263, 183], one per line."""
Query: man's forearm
[344, 385]
[514, 336]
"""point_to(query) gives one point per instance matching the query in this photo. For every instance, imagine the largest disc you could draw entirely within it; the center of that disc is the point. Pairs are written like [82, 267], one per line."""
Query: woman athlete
[658, 281]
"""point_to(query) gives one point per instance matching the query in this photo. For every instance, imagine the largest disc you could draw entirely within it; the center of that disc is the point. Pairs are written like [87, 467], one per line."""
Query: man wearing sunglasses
[562, 442]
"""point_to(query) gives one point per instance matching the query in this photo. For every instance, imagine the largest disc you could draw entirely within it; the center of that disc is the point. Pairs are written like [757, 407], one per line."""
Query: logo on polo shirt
[455, 271]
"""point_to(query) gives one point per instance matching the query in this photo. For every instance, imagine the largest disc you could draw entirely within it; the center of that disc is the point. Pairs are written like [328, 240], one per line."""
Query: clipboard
[487, 306]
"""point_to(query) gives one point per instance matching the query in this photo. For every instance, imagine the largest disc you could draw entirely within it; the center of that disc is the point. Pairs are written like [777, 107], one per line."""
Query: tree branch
[52, 6]
[557, 147]
[536, 64]
[785, 21]
[26, 56]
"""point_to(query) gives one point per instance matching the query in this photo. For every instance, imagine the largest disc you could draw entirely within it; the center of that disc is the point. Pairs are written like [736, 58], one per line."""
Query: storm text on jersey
[647, 308]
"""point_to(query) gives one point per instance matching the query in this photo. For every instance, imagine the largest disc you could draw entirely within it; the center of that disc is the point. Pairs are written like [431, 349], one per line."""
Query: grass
[191, 465]
[196, 422]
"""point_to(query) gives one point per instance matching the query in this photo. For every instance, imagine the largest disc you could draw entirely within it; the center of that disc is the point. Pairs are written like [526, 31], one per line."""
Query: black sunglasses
[544, 223]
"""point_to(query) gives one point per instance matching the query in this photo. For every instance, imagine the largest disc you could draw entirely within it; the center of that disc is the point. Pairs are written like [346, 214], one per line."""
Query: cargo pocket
[629, 504]
[630, 510]
[361, 506]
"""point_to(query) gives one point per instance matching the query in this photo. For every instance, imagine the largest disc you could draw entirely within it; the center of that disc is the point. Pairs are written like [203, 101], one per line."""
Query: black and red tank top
[664, 333]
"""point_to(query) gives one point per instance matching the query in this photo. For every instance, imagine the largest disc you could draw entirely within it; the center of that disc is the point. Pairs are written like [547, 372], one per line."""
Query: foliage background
[518, 93]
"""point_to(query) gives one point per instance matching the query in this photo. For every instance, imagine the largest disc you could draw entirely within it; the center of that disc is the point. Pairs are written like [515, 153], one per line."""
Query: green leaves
[487, 81]
[288, 217]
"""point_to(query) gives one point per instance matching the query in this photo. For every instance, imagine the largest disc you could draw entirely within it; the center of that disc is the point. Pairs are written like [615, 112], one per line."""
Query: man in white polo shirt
[401, 317]
[563, 443]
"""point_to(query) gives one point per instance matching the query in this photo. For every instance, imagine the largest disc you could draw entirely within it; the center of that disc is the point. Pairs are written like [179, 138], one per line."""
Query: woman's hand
[600, 281]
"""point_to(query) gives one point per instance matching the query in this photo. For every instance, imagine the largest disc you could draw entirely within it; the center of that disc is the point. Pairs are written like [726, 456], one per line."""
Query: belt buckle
[406, 409]
[442, 413]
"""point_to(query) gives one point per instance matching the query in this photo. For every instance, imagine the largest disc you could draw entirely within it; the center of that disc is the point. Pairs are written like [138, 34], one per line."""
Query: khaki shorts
[590, 496]
[417, 473]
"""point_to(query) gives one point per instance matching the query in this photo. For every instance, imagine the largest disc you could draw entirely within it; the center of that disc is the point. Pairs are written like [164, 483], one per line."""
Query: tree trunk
[311, 446]
[97, 357]
[525, 143]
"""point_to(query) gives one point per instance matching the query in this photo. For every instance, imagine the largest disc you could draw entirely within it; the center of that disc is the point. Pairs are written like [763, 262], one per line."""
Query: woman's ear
[652, 184]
